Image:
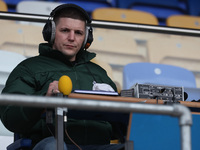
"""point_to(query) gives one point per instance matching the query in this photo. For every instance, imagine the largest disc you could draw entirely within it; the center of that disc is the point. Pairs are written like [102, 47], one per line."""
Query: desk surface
[129, 99]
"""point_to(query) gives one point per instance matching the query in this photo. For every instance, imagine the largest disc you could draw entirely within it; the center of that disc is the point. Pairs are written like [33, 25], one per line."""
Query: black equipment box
[158, 92]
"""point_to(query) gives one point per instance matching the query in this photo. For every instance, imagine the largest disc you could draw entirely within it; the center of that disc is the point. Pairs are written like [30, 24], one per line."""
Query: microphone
[65, 85]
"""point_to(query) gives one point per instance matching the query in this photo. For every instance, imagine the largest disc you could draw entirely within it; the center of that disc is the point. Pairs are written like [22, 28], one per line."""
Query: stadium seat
[157, 74]
[36, 7]
[20, 144]
[16, 37]
[124, 15]
[13, 3]
[161, 9]
[6, 66]
[45, 7]
[193, 7]
[112, 48]
[183, 21]
[3, 6]
[179, 51]
[91, 5]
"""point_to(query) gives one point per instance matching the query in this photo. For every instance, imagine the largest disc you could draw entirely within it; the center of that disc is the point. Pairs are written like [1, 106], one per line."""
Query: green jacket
[32, 77]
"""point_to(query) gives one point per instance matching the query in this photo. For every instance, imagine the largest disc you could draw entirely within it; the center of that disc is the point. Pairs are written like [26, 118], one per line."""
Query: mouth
[69, 46]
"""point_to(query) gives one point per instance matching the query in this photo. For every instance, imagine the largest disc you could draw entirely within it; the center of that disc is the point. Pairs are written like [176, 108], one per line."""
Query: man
[65, 54]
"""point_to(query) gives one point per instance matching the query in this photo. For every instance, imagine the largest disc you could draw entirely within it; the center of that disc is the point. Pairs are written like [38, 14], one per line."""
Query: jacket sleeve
[20, 81]
[18, 118]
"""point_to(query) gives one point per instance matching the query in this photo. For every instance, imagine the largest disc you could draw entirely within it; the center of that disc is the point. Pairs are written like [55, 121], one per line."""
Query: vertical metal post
[186, 137]
[59, 128]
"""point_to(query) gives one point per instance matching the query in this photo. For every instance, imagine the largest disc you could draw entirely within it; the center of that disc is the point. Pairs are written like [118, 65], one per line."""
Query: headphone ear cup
[49, 31]
[46, 32]
[89, 38]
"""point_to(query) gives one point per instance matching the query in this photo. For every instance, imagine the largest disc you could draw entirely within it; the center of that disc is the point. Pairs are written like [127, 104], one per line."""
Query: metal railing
[105, 24]
[176, 110]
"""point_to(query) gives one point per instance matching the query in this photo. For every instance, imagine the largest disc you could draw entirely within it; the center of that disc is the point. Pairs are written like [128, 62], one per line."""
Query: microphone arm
[61, 117]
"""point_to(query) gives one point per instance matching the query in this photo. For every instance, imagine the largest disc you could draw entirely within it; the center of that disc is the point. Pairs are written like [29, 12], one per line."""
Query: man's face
[70, 34]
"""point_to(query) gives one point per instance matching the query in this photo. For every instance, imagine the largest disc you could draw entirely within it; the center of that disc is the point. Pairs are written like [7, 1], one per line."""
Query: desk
[153, 132]
[122, 106]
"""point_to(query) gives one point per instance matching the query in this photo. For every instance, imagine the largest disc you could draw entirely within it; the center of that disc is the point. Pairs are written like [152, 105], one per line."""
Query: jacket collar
[46, 50]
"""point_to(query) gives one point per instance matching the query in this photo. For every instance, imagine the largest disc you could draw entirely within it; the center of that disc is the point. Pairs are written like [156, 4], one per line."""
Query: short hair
[69, 13]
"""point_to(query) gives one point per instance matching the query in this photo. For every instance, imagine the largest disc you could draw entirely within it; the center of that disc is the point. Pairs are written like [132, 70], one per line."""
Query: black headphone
[49, 29]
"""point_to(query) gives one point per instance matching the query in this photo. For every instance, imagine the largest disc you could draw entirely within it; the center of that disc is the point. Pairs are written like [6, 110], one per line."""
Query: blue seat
[193, 7]
[161, 9]
[159, 74]
[20, 143]
[91, 5]
[13, 3]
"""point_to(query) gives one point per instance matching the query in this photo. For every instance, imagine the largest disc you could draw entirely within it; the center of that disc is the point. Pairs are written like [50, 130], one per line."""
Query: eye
[79, 32]
[64, 30]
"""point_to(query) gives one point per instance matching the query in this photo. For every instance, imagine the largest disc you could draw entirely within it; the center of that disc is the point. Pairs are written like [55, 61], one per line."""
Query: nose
[71, 36]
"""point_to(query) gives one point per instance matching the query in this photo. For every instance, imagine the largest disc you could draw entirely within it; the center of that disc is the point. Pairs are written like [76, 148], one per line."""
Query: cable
[65, 129]
[173, 96]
